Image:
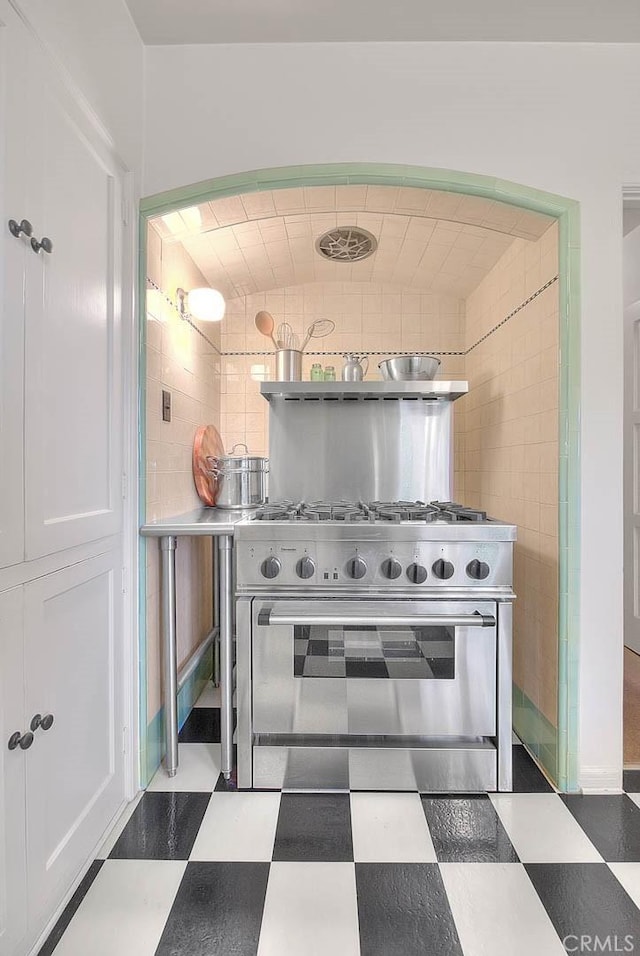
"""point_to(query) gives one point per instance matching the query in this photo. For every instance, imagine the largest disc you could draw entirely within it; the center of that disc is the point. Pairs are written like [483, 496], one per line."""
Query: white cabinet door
[75, 780]
[73, 381]
[14, 72]
[13, 890]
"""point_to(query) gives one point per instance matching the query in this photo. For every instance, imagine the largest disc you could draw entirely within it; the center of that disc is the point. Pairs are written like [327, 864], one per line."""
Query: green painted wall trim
[569, 532]
[340, 174]
[154, 750]
[537, 733]
[567, 212]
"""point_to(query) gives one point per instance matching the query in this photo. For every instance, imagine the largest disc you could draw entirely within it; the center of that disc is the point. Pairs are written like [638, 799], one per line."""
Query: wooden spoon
[265, 324]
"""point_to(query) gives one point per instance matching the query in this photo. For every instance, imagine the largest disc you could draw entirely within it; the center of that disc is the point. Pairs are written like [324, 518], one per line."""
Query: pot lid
[230, 456]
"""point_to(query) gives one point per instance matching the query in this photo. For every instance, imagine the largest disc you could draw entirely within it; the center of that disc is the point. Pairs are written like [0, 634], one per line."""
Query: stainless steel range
[374, 647]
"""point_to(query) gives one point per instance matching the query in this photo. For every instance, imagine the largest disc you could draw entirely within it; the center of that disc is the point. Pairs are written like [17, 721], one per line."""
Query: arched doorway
[553, 741]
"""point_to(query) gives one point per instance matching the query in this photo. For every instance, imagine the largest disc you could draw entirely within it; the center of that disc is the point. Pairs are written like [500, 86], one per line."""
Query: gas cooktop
[395, 512]
[386, 545]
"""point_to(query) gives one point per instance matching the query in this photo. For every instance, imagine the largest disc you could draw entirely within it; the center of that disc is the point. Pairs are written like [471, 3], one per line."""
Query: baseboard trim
[596, 780]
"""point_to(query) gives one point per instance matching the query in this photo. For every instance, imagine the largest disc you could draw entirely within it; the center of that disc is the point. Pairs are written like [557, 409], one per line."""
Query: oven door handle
[277, 615]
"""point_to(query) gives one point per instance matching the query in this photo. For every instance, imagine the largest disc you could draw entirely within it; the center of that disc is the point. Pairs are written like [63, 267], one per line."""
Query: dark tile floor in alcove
[194, 870]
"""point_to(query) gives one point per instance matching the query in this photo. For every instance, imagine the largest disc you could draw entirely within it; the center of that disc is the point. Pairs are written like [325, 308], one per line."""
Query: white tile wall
[180, 360]
[510, 444]
[368, 317]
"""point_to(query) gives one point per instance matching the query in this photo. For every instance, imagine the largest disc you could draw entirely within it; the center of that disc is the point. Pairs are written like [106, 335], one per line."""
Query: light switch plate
[166, 405]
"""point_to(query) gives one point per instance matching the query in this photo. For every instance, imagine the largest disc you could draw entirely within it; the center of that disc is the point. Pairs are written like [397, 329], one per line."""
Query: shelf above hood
[436, 391]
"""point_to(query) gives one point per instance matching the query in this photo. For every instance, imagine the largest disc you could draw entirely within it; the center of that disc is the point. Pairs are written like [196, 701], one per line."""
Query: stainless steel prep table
[218, 525]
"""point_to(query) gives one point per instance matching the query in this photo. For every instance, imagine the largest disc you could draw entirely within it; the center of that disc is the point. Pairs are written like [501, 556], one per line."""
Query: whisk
[318, 330]
[285, 336]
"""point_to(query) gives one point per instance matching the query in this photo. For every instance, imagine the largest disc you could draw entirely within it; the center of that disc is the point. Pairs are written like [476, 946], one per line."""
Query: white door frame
[631, 197]
[130, 479]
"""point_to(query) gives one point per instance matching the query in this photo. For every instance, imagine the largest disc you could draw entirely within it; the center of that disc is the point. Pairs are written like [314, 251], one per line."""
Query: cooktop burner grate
[396, 512]
[399, 511]
[278, 511]
[455, 512]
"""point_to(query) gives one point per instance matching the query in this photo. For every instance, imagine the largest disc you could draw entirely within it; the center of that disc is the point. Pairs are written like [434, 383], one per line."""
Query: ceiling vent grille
[347, 244]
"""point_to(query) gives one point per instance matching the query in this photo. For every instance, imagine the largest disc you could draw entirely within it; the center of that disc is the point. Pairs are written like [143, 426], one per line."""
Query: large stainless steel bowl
[409, 368]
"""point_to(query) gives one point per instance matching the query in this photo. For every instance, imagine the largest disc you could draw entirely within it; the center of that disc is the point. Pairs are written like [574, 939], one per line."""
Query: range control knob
[416, 573]
[356, 567]
[305, 568]
[478, 570]
[391, 568]
[442, 569]
[270, 567]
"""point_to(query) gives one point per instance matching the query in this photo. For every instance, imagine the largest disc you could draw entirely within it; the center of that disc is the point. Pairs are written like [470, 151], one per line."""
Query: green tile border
[567, 212]
[537, 733]
[154, 748]
[569, 531]
[343, 174]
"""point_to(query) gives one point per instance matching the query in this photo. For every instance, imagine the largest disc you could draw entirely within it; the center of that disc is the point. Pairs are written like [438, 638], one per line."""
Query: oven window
[387, 653]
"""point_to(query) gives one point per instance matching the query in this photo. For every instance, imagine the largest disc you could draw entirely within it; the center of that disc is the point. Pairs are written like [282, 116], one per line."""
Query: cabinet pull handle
[39, 721]
[23, 741]
[17, 228]
[45, 244]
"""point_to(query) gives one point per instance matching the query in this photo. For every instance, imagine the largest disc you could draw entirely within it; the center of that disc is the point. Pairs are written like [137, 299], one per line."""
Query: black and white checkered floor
[194, 870]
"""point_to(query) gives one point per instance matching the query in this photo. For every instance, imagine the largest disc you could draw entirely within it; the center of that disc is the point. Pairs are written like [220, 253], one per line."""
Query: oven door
[392, 668]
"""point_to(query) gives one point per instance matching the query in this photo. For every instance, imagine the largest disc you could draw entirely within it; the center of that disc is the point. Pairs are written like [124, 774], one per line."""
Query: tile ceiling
[429, 240]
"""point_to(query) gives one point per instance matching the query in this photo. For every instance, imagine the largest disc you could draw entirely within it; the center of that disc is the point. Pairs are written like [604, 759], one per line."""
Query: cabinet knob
[23, 741]
[39, 721]
[16, 229]
[45, 244]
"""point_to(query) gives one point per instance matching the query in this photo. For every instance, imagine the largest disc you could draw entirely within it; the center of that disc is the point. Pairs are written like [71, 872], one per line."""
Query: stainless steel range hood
[436, 391]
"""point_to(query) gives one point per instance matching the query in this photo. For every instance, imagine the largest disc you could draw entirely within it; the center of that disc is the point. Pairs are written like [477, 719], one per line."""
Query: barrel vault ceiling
[428, 240]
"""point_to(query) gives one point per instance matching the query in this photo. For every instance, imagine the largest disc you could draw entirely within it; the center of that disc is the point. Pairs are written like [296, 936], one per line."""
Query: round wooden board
[207, 443]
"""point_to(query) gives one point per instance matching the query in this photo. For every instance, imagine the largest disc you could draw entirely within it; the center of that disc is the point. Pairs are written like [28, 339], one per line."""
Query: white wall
[557, 117]
[98, 45]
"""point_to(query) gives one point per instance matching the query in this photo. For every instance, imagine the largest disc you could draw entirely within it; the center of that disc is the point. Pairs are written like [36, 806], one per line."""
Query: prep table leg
[216, 611]
[169, 651]
[225, 545]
